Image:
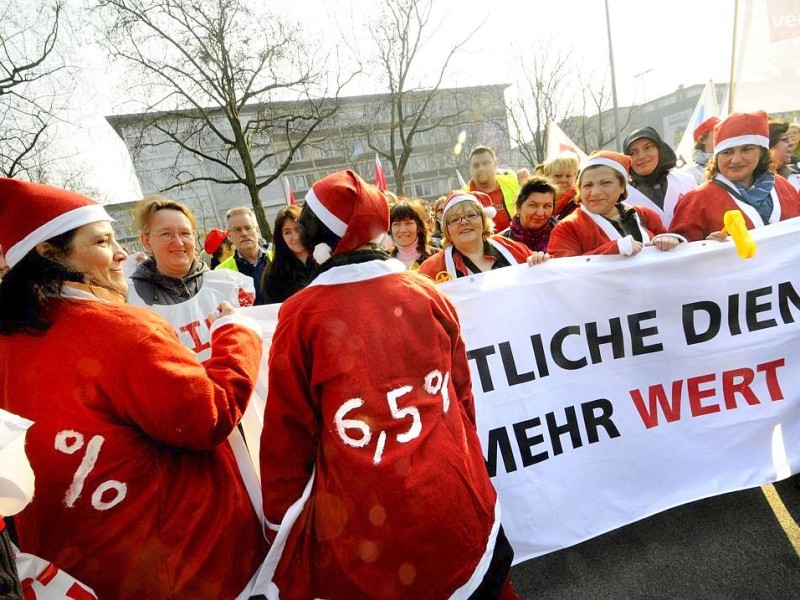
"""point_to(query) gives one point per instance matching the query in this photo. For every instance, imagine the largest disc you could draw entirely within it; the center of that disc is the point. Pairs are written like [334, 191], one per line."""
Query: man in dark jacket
[249, 257]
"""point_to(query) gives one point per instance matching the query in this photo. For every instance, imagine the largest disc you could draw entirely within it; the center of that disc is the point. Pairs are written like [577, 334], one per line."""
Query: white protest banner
[610, 388]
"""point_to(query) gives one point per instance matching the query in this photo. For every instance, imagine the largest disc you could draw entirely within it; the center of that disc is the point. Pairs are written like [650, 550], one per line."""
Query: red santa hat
[704, 128]
[739, 129]
[457, 196]
[214, 240]
[354, 210]
[32, 213]
[621, 163]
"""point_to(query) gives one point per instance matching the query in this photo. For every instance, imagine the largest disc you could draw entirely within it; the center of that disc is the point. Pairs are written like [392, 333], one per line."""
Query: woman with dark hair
[739, 178]
[137, 493]
[534, 219]
[655, 181]
[410, 234]
[373, 479]
[603, 223]
[292, 265]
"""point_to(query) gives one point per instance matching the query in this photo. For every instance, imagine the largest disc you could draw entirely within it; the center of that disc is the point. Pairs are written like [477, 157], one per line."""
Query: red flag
[287, 192]
[380, 178]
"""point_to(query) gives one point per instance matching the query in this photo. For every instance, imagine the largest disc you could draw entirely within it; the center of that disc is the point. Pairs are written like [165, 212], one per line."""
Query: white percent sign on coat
[69, 442]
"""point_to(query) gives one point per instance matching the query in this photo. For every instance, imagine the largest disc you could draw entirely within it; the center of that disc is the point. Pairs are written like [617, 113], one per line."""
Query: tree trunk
[261, 216]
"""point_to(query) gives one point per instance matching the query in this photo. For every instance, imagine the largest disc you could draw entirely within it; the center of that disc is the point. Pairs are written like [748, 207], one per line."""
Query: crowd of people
[612, 204]
[144, 487]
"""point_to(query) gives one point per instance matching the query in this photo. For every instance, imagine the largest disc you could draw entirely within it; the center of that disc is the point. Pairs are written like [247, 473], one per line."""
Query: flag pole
[733, 56]
[613, 80]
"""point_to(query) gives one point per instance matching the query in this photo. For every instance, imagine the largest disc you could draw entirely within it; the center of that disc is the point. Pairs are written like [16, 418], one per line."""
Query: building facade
[344, 141]
[668, 115]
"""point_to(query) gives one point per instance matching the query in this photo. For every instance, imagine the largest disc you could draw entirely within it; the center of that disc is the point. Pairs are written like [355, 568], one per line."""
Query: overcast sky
[657, 46]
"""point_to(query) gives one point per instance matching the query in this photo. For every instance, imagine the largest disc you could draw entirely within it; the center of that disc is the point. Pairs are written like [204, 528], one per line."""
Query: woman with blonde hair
[469, 244]
[563, 170]
[794, 140]
[173, 281]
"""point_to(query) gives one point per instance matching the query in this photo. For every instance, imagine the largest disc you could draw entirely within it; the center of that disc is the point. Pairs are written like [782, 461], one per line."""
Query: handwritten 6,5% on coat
[433, 384]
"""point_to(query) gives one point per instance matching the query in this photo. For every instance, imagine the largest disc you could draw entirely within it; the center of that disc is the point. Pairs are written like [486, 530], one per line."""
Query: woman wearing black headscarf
[653, 173]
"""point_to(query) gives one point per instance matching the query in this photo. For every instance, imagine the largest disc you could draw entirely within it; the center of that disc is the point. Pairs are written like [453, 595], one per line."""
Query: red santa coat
[136, 494]
[369, 436]
[701, 211]
[584, 233]
[450, 262]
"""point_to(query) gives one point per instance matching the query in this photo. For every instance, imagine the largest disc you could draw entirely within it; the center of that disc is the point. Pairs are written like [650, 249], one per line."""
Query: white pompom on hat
[32, 213]
[621, 163]
[457, 196]
[354, 210]
[739, 129]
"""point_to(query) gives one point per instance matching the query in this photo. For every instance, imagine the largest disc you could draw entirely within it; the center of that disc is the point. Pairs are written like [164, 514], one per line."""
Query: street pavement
[734, 546]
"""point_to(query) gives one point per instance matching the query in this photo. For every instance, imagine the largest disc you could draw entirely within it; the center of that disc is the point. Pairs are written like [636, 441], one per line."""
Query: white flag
[558, 142]
[706, 108]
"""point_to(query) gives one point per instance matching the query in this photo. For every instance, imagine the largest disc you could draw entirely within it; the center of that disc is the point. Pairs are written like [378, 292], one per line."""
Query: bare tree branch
[29, 96]
[540, 95]
[239, 90]
[399, 33]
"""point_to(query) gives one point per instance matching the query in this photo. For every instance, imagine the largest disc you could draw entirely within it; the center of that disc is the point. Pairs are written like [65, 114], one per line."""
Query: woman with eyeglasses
[469, 246]
[174, 282]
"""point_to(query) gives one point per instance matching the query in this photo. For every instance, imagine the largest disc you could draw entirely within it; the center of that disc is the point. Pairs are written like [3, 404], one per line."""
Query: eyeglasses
[470, 217]
[166, 235]
[245, 229]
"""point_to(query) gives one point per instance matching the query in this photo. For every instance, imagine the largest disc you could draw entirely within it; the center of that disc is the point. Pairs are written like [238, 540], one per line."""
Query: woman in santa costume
[138, 495]
[740, 180]
[655, 182]
[373, 478]
[469, 245]
[603, 223]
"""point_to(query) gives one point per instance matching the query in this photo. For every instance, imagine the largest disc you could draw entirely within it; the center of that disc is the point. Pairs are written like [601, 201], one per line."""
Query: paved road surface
[729, 547]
